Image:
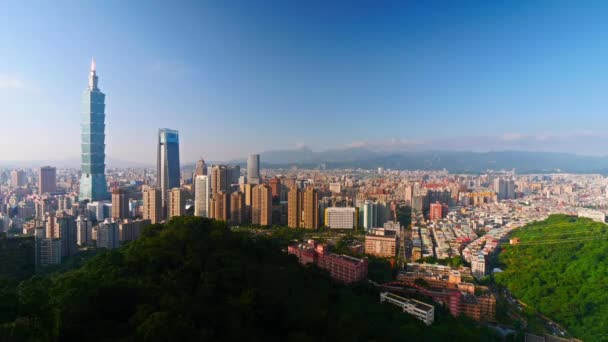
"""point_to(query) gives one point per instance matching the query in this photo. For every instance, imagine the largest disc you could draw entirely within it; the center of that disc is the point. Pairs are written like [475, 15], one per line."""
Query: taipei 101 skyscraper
[93, 185]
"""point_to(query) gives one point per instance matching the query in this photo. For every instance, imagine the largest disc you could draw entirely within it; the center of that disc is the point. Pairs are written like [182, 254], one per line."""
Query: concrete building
[63, 227]
[202, 196]
[220, 206]
[294, 208]
[151, 209]
[253, 169]
[262, 205]
[107, 235]
[342, 268]
[310, 216]
[84, 232]
[18, 178]
[219, 178]
[47, 180]
[438, 211]
[422, 311]
[341, 218]
[478, 265]
[177, 203]
[381, 243]
[120, 204]
[48, 251]
[129, 230]
[237, 207]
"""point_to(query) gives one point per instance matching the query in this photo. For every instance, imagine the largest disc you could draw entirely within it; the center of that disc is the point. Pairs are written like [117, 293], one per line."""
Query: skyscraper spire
[93, 76]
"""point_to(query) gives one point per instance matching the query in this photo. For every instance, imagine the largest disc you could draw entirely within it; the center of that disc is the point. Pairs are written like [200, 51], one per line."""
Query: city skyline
[401, 76]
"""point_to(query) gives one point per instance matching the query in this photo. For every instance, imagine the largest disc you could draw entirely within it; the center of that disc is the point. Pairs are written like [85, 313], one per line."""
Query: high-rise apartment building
[294, 208]
[120, 204]
[47, 180]
[201, 168]
[152, 204]
[48, 251]
[234, 172]
[93, 186]
[168, 171]
[18, 178]
[262, 205]
[84, 232]
[237, 207]
[219, 178]
[220, 206]
[63, 227]
[177, 203]
[275, 187]
[310, 216]
[253, 169]
[107, 235]
[202, 196]
[129, 230]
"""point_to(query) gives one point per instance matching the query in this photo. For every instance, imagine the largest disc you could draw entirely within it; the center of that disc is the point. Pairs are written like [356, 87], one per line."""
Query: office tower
[370, 213]
[120, 204]
[310, 217]
[17, 178]
[107, 235]
[47, 180]
[234, 172]
[167, 165]
[237, 207]
[84, 228]
[152, 204]
[219, 178]
[177, 203]
[129, 230]
[202, 195]
[253, 169]
[509, 189]
[201, 168]
[275, 187]
[220, 206]
[93, 185]
[261, 209]
[294, 208]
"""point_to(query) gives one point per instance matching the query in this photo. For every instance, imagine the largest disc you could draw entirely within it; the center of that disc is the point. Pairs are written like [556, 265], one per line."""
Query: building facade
[253, 169]
[168, 170]
[47, 180]
[202, 196]
[262, 205]
[93, 186]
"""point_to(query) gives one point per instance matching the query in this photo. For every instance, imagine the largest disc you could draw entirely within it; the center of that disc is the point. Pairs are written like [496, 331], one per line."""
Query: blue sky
[236, 77]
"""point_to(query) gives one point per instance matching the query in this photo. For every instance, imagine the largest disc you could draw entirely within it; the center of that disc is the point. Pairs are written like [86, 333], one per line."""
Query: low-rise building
[422, 311]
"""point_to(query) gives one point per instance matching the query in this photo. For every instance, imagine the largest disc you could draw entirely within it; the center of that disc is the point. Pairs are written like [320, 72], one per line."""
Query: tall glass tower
[93, 185]
[168, 174]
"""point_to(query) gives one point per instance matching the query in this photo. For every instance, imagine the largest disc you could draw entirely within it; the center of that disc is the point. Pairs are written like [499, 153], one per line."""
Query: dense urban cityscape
[355, 243]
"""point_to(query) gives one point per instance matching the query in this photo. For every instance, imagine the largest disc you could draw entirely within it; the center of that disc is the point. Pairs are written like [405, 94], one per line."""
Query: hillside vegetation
[195, 280]
[560, 268]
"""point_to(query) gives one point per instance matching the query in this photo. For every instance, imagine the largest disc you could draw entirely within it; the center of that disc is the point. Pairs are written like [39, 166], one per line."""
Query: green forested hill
[560, 268]
[195, 280]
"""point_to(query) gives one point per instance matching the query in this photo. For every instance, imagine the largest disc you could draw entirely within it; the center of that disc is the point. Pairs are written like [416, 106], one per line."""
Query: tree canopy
[559, 268]
[193, 279]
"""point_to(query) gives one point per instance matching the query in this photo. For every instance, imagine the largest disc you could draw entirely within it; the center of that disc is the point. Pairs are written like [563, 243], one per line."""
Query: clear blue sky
[236, 77]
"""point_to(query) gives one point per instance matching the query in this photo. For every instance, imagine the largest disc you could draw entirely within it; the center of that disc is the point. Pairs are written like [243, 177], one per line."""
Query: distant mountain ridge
[453, 161]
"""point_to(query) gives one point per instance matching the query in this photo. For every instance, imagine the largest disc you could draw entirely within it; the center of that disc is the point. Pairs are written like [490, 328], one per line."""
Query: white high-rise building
[202, 196]
[108, 235]
[84, 231]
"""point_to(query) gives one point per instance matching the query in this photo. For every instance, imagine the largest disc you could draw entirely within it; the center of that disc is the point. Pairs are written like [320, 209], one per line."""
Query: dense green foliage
[17, 256]
[562, 272]
[195, 280]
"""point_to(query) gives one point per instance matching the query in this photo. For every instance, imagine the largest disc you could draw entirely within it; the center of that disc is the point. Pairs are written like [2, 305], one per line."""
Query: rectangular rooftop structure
[422, 311]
